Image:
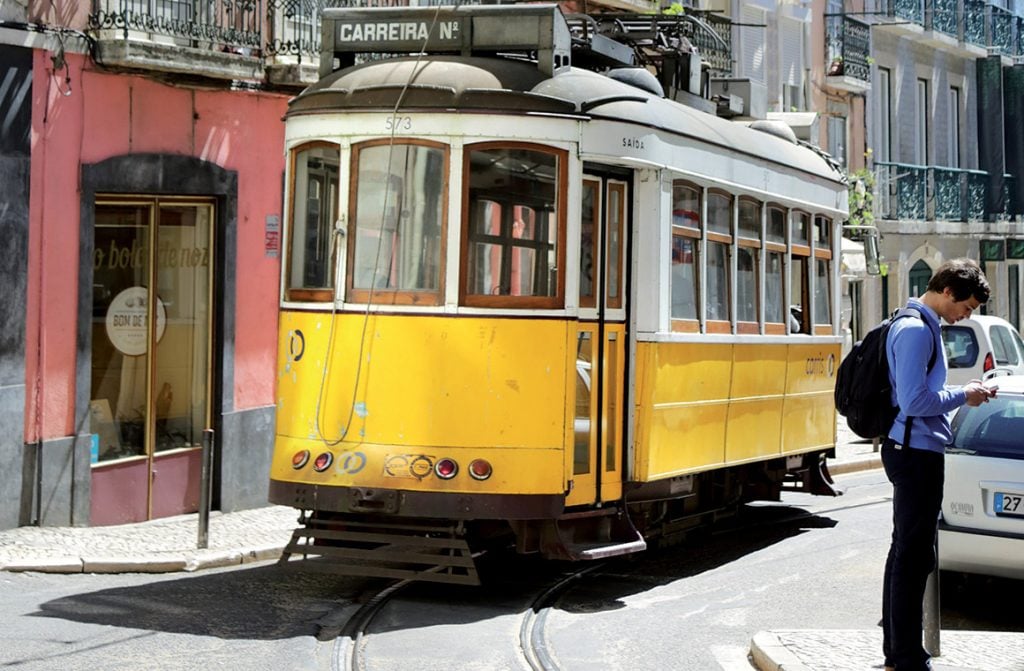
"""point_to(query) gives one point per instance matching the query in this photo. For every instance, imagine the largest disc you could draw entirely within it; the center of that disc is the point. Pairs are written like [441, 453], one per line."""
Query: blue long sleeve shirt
[925, 398]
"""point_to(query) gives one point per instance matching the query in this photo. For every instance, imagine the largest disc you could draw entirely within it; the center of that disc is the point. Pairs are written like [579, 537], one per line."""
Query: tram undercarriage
[376, 544]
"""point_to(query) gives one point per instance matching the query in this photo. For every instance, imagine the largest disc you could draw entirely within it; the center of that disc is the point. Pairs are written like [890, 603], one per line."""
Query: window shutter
[792, 73]
[752, 42]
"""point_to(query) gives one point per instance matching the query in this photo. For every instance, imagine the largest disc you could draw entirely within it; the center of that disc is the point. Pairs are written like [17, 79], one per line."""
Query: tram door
[600, 342]
[151, 347]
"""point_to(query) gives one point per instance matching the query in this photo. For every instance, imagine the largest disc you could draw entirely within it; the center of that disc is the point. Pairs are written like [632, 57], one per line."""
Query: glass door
[151, 348]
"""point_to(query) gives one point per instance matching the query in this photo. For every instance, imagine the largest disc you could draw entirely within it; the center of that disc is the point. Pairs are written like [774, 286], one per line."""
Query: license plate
[1011, 505]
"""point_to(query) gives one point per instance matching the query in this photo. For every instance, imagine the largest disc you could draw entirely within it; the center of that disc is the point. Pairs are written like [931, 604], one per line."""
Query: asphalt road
[810, 562]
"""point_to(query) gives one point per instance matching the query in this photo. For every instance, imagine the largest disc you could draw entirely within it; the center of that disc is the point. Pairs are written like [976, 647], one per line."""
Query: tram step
[420, 552]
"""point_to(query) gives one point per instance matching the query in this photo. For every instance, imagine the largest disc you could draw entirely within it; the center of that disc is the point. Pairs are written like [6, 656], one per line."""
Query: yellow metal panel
[516, 471]
[702, 406]
[691, 372]
[754, 428]
[684, 439]
[423, 381]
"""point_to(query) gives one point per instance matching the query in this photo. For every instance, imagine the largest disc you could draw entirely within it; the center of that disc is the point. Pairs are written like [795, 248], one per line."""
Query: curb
[770, 654]
[164, 563]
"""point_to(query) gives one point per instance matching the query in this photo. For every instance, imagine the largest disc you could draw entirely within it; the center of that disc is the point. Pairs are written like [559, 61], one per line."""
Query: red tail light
[480, 469]
[446, 468]
[989, 363]
[300, 459]
[323, 462]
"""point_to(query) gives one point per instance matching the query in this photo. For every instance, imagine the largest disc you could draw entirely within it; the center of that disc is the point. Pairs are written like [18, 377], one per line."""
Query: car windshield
[993, 429]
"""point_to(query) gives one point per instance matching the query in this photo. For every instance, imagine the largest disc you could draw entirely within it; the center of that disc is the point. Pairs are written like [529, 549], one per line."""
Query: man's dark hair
[964, 279]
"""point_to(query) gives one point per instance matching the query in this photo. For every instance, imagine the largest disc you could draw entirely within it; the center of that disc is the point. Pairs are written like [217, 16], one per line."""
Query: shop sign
[127, 321]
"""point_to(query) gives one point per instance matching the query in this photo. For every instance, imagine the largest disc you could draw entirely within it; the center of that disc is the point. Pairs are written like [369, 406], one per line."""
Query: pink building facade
[141, 213]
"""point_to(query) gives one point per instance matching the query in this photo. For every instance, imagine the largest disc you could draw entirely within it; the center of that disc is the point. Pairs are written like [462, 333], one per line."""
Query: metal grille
[217, 25]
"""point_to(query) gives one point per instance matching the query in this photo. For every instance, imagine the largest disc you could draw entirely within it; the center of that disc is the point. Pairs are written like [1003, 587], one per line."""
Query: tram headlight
[480, 469]
[300, 459]
[446, 468]
[323, 462]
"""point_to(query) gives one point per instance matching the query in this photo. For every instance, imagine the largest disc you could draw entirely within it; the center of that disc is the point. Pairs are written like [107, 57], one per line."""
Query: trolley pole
[932, 610]
[206, 457]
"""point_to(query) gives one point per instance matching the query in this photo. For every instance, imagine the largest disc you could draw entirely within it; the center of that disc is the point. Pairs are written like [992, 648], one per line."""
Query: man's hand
[977, 393]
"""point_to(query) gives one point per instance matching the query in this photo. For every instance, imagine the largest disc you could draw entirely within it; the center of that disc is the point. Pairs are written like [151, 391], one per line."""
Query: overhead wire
[339, 233]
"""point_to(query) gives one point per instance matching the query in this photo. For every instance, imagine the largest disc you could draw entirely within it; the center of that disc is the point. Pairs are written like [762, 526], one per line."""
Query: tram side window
[314, 203]
[799, 274]
[774, 274]
[718, 273]
[397, 222]
[685, 255]
[513, 231]
[822, 277]
[748, 258]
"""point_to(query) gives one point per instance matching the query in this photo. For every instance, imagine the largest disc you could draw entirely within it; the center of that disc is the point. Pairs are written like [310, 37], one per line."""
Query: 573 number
[394, 123]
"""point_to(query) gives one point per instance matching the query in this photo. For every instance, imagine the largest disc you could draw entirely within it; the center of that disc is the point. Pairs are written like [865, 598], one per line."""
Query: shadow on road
[273, 602]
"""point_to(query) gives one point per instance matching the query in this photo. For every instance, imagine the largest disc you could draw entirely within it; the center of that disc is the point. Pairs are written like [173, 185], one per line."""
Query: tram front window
[398, 222]
[314, 200]
[514, 232]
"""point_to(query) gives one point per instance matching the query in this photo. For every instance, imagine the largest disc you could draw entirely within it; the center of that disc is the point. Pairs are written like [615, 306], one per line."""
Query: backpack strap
[914, 312]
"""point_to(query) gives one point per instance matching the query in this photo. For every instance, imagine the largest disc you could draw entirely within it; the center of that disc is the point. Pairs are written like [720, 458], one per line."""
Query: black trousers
[916, 476]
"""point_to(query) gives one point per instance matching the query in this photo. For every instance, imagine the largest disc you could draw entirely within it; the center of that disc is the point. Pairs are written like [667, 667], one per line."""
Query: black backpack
[863, 391]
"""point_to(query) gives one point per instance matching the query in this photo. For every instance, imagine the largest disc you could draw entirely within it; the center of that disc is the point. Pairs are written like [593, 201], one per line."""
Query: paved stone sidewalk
[158, 546]
[860, 650]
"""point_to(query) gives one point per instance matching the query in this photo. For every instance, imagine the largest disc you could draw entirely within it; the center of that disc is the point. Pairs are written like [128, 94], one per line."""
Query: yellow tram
[525, 302]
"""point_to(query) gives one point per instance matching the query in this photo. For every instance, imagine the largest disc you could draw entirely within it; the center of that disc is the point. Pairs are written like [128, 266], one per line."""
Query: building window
[953, 158]
[837, 138]
[921, 132]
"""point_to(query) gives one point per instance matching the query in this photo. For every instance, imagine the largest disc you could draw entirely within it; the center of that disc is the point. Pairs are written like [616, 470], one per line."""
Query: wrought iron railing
[944, 16]
[924, 193]
[847, 47]
[959, 194]
[902, 10]
[713, 39]
[905, 189]
[1003, 24]
[233, 26]
[294, 25]
[974, 22]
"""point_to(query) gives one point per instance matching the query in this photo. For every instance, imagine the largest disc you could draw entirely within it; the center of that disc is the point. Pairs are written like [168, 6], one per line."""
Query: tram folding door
[598, 366]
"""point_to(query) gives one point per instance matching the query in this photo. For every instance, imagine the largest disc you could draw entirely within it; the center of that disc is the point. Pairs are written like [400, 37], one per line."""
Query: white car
[982, 346]
[982, 525]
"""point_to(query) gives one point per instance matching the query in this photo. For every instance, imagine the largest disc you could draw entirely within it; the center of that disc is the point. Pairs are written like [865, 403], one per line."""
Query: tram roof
[480, 84]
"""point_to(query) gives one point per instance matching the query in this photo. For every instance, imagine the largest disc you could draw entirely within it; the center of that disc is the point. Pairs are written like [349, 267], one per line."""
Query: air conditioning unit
[740, 97]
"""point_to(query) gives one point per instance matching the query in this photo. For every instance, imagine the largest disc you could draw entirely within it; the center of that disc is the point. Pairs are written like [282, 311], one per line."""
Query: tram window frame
[748, 240]
[823, 260]
[614, 283]
[304, 292]
[719, 240]
[590, 236]
[686, 226]
[394, 295]
[800, 268]
[504, 241]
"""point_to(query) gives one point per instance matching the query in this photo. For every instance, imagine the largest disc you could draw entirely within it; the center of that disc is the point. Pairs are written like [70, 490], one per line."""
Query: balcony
[967, 28]
[218, 39]
[900, 17]
[847, 46]
[935, 193]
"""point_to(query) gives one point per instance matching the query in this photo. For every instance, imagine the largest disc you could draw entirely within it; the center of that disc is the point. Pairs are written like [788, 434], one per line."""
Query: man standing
[913, 459]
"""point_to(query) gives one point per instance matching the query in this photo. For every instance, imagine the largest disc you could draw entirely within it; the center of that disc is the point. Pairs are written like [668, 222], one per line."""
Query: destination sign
[398, 34]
